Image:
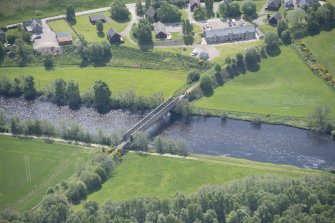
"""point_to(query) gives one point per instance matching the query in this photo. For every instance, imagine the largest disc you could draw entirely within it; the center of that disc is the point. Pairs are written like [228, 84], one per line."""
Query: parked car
[194, 53]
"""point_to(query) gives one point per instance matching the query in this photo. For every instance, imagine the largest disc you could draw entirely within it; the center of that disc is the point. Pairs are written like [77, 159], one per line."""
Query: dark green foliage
[184, 108]
[168, 13]
[53, 209]
[193, 76]
[2, 53]
[77, 192]
[271, 39]
[11, 39]
[102, 96]
[142, 32]
[286, 37]
[100, 27]
[147, 4]
[5, 85]
[206, 85]
[139, 7]
[23, 51]
[119, 10]
[32, 128]
[92, 180]
[97, 53]
[59, 94]
[209, 8]
[313, 25]
[140, 141]
[251, 56]
[29, 91]
[75, 132]
[281, 26]
[102, 173]
[48, 62]
[188, 34]
[16, 126]
[73, 94]
[249, 9]
[70, 14]
[319, 119]
[172, 146]
[229, 10]
[199, 14]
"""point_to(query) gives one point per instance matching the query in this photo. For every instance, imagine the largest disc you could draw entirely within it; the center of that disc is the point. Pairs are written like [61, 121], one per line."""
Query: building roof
[33, 25]
[150, 12]
[159, 27]
[203, 55]
[307, 2]
[64, 39]
[97, 18]
[192, 2]
[273, 4]
[227, 31]
[111, 33]
[276, 16]
[63, 34]
[288, 2]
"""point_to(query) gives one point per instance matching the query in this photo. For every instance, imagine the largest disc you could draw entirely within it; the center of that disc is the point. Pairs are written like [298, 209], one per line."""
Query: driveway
[48, 42]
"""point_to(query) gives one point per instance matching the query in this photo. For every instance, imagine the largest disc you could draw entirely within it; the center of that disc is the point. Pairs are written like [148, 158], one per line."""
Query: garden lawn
[163, 177]
[30, 167]
[143, 81]
[229, 50]
[62, 26]
[283, 86]
[89, 31]
[323, 48]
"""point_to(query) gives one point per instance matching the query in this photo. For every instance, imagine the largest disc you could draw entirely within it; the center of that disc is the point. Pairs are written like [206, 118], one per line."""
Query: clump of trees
[188, 34]
[319, 120]
[249, 9]
[140, 141]
[119, 11]
[139, 8]
[209, 8]
[168, 13]
[142, 32]
[193, 76]
[199, 13]
[206, 85]
[228, 10]
[99, 54]
[70, 14]
[172, 146]
[271, 40]
[102, 95]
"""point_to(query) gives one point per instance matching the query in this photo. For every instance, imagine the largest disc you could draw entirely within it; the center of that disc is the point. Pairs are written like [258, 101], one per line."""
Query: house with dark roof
[160, 30]
[194, 4]
[273, 5]
[64, 38]
[230, 34]
[288, 4]
[275, 18]
[97, 18]
[302, 3]
[204, 55]
[113, 37]
[34, 26]
[2, 36]
[151, 14]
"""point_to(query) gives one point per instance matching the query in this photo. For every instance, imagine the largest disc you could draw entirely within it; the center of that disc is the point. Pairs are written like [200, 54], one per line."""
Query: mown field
[283, 86]
[143, 81]
[162, 177]
[30, 167]
[229, 50]
[323, 48]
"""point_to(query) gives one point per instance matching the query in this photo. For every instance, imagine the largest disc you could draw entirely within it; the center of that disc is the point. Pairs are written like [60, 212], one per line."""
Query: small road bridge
[150, 119]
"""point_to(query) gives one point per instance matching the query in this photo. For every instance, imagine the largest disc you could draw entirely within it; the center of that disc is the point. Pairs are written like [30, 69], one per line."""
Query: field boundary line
[29, 171]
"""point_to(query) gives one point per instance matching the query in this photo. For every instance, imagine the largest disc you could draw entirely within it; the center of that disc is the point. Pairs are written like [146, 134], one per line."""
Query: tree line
[68, 93]
[255, 199]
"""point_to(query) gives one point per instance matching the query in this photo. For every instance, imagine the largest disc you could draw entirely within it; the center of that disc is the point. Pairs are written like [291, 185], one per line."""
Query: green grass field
[30, 167]
[141, 176]
[229, 50]
[283, 86]
[143, 81]
[323, 47]
[89, 31]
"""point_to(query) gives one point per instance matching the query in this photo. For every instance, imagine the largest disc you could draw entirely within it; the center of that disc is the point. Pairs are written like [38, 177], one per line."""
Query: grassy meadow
[30, 167]
[323, 48]
[283, 86]
[143, 81]
[162, 177]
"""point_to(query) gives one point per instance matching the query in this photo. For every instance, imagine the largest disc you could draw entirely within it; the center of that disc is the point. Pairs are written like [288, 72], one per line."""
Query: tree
[206, 85]
[54, 208]
[70, 14]
[271, 39]
[281, 26]
[16, 88]
[119, 11]
[296, 17]
[251, 56]
[23, 50]
[29, 91]
[249, 9]
[233, 10]
[217, 68]
[11, 39]
[77, 192]
[100, 27]
[209, 8]
[147, 4]
[199, 13]
[97, 53]
[102, 96]
[168, 13]
[2, 53]
[325, 13]
[140, 141]
[139, 8]
[187, 29]
[184, 108]
[193, 76]
[142, 32]
[91, 180]
[73, 94]
[286, 37]
[223, 9]
[319, 119]
[60, 96]
[312, 23]
[48, 62]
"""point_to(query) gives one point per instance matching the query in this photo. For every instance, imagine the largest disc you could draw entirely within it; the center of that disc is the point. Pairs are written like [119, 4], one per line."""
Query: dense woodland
[254, 199]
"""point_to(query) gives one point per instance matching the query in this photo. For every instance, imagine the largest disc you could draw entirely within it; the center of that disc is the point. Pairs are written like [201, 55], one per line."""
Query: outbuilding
[113, 37]
[64, 38]
[273, 5]
[160, 31]
[151, 14]
[94, 19]
[275, 18]
[34, 26]
[194, 4]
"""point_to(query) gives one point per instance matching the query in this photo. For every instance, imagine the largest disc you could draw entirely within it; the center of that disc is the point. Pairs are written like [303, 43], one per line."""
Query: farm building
[288, 4]
[273, 5]
[151, 14]
[194, 4]
[113, 37]
[230, 34]
[2, 36]
[64, 38]
[160, 30]
[34, 26]
[301, 3]
[274, 19]
[97, 18]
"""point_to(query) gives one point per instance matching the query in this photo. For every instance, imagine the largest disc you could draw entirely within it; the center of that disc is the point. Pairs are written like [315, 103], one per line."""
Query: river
[205, 135]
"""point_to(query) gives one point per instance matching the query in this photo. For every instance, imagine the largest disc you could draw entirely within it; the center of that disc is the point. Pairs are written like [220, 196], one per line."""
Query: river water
[265, 143]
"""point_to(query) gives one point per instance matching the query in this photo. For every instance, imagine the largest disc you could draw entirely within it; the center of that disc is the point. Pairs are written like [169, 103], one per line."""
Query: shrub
[193, 76]
[286, 37]
[92, 180]
[77, 192]
[119, 10]
[206, 85]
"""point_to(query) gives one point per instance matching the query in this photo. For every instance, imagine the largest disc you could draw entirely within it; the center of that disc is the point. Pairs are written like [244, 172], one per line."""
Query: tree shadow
[273, 51]
[147, 46]
[49, 68]
[101, 34]
[72, 22]
[253, 67]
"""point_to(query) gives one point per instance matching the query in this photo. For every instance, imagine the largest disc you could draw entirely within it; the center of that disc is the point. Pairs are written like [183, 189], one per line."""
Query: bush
[271, 39]
[251, 56]
[102, 173]
[92, 180]
[206, 85]
[140, 141]
[168, 13]
[193, 76]
[119, 10]
[77, 192]
[199, 14]
[286, 37]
